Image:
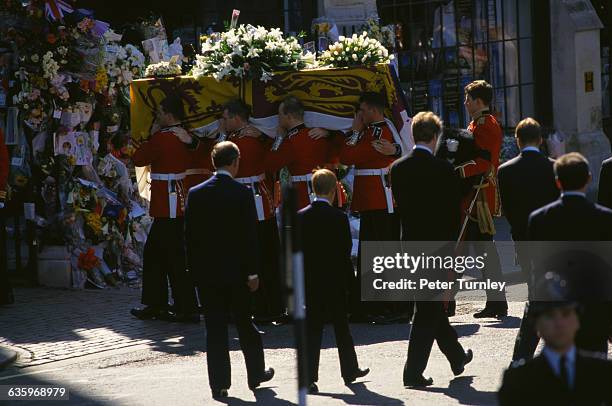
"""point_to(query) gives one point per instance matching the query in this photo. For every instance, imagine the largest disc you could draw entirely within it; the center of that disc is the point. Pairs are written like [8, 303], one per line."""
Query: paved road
[87, 341]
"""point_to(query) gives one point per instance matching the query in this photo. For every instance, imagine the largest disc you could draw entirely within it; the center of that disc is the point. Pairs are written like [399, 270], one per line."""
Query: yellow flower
[101, 79]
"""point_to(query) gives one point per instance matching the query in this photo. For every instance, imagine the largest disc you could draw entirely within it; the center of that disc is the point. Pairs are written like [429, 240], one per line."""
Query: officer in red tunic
[201, 167]
[297, 150]
[371, 149]
[164, 252]
[482, 170]
[6, 293]
[253, 148]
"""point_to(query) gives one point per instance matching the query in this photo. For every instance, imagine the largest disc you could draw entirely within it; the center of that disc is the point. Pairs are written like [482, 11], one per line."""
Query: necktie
[563, 371]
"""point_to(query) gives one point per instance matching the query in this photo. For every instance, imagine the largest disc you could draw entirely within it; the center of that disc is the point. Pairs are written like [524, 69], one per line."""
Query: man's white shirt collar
[223, 172]
[573, 193]
[531, 148]
[423, 147]
[322, 199]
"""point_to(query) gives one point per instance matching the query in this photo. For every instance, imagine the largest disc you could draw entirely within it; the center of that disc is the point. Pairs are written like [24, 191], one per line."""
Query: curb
[7, 357]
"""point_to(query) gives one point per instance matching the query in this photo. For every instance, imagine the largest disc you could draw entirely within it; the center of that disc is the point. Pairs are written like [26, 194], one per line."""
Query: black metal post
[293, 266]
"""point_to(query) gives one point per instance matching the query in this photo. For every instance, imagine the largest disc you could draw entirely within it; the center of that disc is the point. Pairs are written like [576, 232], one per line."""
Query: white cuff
[253, 277]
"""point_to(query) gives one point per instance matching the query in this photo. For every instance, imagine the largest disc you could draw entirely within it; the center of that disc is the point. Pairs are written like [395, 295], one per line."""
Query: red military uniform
[169, 158]
[487, 136]
[251, 171]
[371, 168]
[201, 166]
[300, 154]
[4, 168]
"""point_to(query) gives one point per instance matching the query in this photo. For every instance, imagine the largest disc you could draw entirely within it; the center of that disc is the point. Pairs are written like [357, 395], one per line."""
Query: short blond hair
[323, 181]
[426, 126]
[528, 131]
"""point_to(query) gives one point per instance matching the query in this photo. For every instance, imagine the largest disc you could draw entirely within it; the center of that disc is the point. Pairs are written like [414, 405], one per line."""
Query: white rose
[354, 56]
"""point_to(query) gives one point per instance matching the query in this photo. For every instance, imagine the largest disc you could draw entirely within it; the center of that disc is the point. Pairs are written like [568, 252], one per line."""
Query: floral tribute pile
[64, 107]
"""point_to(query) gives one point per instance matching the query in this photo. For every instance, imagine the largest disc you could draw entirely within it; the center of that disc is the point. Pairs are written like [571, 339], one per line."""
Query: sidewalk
[46, 325]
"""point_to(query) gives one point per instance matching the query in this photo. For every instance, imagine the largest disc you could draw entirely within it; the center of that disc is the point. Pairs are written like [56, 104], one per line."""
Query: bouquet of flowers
[163, 68]
[248, 52]
[355, 50]
[385, 34]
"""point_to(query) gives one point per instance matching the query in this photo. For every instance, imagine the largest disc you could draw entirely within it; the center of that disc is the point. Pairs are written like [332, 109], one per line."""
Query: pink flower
[246, 66]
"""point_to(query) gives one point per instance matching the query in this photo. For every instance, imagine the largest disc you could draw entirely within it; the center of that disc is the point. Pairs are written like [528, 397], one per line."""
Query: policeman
[164, 252]
[482, 171]
[371, 149]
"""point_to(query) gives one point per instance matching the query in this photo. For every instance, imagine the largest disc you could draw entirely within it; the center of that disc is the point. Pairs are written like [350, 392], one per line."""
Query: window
[448, 44]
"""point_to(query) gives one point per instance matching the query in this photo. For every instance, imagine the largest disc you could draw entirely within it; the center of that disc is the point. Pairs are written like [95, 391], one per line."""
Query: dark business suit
[604, 196]
[526, 183]
[221, 242]
[427, 192]
[328, 270]
[535, 383]
[574, 218]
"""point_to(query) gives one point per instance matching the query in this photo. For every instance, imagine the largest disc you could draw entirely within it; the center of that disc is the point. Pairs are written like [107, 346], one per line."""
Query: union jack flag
[55, 9]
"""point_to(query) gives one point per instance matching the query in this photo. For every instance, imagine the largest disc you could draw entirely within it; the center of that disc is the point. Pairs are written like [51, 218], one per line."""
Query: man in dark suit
[560, 375]
[574, 218]
[326, 242]
[526, 183]
[428, 197]
[604, 196]
[221, 244]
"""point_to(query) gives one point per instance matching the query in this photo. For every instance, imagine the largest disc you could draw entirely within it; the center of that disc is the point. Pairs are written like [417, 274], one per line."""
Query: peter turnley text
[427, 284]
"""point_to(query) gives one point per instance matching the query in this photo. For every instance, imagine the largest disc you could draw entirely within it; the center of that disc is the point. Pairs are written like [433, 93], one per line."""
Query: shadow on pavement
[464, 330]
[461, 389]
[506, 322]
[75, 398]
[263, 396]
[362, 396]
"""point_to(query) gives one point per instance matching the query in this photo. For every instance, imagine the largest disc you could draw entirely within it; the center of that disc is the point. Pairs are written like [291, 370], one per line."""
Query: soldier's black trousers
[430, 323]
[268, 298]
[219, 303]
[374, 225]
[163, 259]
[483, 243]
[317, 313]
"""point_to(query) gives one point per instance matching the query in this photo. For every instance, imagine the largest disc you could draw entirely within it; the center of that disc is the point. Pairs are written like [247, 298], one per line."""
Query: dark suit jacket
[535, 383]
[220, 233]
[427, 192]
[326, 243]
[526, 183]
[571, 218]
[604, 196]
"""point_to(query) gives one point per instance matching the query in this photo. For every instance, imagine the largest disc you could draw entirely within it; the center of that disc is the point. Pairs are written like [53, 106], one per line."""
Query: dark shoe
[360, 373]
[219, 394]
[267, 375]
[459, 368]
[146, 313]
[313, 388]
[418, 382]
[491, 312]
